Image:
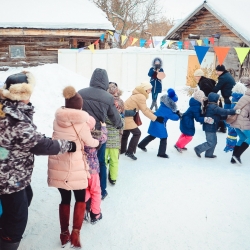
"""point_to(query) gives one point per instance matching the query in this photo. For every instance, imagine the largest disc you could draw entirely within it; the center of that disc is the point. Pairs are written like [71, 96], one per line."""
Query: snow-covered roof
[234, 14]
[53, 14]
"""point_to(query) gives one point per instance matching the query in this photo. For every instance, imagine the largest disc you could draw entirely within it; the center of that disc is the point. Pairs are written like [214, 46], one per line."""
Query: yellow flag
[170, 43]
[111, 33]
[92, 48]
[199, 42]
[242, 53]
[134, 41]
[123, 38]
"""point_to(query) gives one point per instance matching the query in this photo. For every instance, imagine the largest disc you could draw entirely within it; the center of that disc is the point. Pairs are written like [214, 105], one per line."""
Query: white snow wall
[129, 67]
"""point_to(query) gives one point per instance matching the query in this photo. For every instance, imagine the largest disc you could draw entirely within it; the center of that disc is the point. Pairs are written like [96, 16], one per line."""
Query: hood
[64, 117]
[213, 97]
[193, 102]
[236, 97]
[156, 59]
[140, 90]
[99, 79]
[167, 101]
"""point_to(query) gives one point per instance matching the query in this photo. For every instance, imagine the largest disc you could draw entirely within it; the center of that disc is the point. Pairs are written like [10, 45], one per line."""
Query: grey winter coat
[98, 102]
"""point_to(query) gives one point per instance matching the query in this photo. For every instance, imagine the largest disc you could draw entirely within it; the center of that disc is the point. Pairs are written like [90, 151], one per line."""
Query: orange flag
[186, 44]
[96, 42]
[221, 53]
[149, 42]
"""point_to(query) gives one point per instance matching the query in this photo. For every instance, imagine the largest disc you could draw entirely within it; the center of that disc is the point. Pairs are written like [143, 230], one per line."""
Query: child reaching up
[187, 126]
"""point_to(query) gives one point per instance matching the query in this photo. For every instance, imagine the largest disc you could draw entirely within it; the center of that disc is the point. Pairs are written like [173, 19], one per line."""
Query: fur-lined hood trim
[64, 116]
[157, 59]
[140, 90]
[167, 101]
[239, 88]
[19, 91]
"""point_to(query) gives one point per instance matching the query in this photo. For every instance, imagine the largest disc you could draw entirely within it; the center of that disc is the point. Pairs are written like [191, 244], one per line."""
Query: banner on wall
[242, 53]
[201, 51]
[221, 53]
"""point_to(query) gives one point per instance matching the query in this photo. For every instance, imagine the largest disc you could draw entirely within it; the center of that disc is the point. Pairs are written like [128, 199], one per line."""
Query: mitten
[209, 120]
[238, 111]
[179, 113]
[72, 147]
[159, 119]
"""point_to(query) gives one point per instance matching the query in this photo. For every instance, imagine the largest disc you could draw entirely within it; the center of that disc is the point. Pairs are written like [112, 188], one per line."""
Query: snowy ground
[181, 203]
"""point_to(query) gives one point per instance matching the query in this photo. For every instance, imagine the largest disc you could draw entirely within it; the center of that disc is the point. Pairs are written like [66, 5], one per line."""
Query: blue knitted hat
[172, 95]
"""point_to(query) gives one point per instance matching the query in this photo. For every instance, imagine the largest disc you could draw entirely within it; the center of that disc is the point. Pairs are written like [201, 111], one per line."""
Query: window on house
[17, 51]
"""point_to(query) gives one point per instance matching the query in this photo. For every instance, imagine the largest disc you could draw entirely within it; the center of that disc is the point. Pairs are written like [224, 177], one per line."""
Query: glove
[179, 113]
[99, 146]
[159, 119]
[72, 146]
[209, 120]
[238, 111]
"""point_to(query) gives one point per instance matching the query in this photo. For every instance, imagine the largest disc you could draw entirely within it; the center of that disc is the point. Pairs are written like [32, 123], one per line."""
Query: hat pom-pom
[69, 92]
[171, 93]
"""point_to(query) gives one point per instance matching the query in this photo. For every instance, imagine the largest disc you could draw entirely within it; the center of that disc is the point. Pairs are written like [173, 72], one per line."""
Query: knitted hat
[199, 96]
[146, 85]
[91, 122]
[199, 72]
[246, 81]
[72, 99]
[240, 86]
[18, 87]
[220, 68]
[171, 94]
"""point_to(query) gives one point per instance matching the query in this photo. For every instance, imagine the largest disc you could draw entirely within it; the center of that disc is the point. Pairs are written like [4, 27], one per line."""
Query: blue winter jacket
[215, 112]
[167, 110]
[155, 82]
[187, 126]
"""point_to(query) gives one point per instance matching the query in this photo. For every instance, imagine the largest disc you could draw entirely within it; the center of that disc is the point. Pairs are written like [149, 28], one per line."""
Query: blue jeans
[209, 145]
[103, 169]
[244, 136]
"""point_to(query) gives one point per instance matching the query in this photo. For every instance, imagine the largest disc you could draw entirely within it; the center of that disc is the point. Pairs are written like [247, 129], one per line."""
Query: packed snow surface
[180, 203]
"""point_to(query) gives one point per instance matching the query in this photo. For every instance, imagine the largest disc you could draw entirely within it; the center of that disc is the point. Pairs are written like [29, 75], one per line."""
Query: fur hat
[146, 85]
[240, 87]
[199, 96]
[199, 72]
[18, 87]
[220, 68]
[171, 94]
[91, 122]
[113, 89]
[246, 81]
[72, 99]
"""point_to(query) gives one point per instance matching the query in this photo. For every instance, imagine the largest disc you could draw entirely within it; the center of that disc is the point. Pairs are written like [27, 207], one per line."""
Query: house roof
[234, 14]
[53, 14]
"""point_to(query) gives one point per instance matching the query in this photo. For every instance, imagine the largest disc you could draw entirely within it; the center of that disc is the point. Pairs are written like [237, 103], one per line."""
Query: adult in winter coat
[187, 126]
[167, 110]
[100, 104]
[242, 124]
[155, 82]
[216, 113]
[20, 138]
[136, 102]
[69, 172]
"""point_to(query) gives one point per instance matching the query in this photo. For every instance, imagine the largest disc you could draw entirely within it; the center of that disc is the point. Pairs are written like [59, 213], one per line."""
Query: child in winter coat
[217, 113]
[187, 127]
[113, 144]
[93, 192]
[167, 110]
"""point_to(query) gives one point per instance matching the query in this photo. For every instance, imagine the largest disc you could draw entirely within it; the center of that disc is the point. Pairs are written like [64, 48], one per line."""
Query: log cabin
[225, 21]
[31, 32]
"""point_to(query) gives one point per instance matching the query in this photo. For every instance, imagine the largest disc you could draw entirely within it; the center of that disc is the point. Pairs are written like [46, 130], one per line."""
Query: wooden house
[226, 21]
[31, 32]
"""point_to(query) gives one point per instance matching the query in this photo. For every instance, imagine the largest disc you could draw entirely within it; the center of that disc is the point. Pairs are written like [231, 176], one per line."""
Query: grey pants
[209, 145]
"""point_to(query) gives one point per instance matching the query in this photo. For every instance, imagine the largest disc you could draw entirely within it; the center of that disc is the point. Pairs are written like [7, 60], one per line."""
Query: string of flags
[201, 46]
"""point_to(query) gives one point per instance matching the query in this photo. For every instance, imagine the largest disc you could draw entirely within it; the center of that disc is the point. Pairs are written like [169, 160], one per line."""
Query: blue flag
[201, 51]
[142, 42]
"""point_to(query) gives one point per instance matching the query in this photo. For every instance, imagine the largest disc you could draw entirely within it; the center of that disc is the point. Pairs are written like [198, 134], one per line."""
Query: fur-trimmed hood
[140, 90]
[157, 59]
[167, 101]
[64, 117]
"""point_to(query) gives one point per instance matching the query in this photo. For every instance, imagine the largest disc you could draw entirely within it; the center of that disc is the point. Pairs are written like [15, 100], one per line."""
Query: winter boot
[178, 149]
[131, 155]
[8, 246]
[152, 105]
[143, 149]
[222, 127]
[64, 211]
[112, 182]
[95, 217]
[163, 156]
[234, 152]
[78, 217]
[243, 147]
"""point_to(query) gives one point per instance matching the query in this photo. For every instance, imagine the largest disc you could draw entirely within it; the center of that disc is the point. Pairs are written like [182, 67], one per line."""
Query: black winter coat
[98, 102]
[206, 85]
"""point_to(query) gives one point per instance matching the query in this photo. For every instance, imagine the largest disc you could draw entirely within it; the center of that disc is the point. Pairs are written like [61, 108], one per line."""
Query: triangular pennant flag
[111, 33]
[96, 42]
[102, 37]
[142, 42]
[211, 39]
[123, 38]
[117, 37]
[199, 42]
[205, 40]
[186, 44]
[201, 51]
[92, 47]
[163, 42]
[156, 43]
[170, 43]
[221, 53]
[149, 42]
[180, 43]
[131, 39]
[193, 43]
[134, 41]
[80, 50]
[242, 53]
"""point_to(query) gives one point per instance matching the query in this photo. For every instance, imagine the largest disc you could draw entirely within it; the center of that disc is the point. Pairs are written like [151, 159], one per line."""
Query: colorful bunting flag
[163, 42]
[102, 37]
[180, 43]
[201, 51]
[199, 42]
[80, 50]
[92, 47]
[123, 38]
[134, 41]
[142, 42]
[242, 53]
[170, 43]
[211, 39]
[149, 42]
[117, 37]
[205, 41]
[186, 44]
[156, 43]
[96, 42]
[221, 53]
[111, 33]
[193, 43]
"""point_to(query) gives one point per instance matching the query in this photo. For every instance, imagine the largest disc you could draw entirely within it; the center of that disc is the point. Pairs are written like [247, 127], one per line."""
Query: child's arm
[224, 112]
[151, 72]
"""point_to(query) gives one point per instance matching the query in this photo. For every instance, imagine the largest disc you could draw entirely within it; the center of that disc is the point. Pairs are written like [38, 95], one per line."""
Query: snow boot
[234, 152]
[112, 182]
[95, 217]
[243, 147]
[78, 217]
[143, 149]
[197, 153]
[64, 212]
[163, 156]
[178, 149]
[8, 246]
[131, 155]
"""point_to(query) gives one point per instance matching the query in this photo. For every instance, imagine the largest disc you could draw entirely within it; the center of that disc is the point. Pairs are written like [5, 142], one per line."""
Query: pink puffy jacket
[69, 171]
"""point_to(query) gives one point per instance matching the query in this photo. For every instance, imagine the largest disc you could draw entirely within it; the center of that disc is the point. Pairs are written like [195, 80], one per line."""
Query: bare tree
[130, 17]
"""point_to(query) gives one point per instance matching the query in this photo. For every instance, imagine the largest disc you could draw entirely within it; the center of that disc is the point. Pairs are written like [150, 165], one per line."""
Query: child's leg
[183, 140]
[95, 192]
[113, 163]
[162, 147]
[87, 194]
[212, 141]
[204, 146]
[146, 141]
